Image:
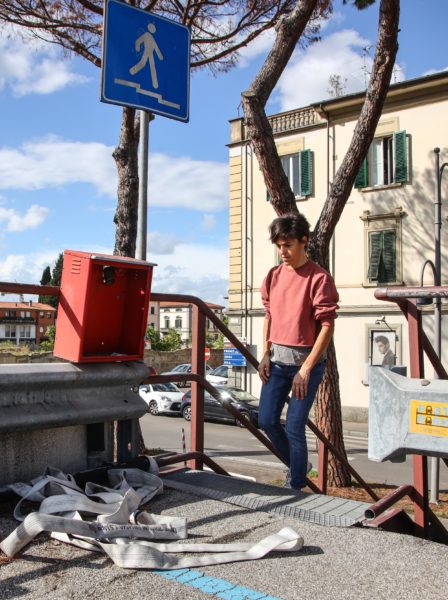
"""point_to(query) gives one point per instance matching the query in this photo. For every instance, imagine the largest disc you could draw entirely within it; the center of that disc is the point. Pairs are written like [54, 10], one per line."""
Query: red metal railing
[196, 456]
[406, 298]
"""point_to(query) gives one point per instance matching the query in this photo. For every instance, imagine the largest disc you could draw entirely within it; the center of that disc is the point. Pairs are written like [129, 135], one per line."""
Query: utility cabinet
[103, 308]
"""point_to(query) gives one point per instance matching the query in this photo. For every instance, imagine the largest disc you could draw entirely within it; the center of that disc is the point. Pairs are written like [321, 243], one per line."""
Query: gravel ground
[339, 563]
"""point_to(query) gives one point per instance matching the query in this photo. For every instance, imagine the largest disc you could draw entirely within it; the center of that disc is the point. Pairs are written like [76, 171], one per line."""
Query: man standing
[300, 301]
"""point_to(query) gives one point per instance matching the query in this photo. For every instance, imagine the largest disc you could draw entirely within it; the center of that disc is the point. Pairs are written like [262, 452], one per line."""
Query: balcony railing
[19, 320]
[290, 121]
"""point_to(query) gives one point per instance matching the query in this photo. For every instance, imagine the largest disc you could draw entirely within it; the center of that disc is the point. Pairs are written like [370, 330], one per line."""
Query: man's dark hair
[381, 339]
[293, 225]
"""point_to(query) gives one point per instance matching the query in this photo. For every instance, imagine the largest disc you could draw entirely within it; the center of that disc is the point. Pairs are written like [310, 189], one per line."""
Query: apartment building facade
[384, 236]
[179, 316]
[25, 322]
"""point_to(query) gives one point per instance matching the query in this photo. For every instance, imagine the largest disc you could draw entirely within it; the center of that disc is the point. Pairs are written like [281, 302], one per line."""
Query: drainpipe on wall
[326, 115]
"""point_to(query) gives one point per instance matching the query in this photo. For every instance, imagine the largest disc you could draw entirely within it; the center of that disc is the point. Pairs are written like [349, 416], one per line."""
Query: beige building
[179, 316]
[385, 233]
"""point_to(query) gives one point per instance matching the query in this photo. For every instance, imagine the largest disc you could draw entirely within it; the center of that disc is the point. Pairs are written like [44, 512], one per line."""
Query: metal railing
[407, 299]
[196, 456]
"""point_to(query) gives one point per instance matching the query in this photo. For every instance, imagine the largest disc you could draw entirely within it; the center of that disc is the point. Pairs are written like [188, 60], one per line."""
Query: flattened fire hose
[108, 520]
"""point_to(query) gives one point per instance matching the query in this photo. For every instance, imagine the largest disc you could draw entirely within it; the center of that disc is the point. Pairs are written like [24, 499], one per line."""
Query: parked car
[184, 368]
[161, 398]
[243, 401]
[218, 376]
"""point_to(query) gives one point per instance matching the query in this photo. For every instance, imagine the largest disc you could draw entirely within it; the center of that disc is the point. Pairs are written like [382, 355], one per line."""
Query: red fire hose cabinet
[103, 308]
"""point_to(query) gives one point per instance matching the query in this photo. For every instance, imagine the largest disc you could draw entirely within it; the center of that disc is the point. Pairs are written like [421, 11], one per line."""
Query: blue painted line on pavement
[220, 588]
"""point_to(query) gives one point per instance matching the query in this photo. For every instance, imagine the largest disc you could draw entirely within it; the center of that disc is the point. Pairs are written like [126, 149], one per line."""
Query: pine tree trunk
[328, 412]
[126, 159]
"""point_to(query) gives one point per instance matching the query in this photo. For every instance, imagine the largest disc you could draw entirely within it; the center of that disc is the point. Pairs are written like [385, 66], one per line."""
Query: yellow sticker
[430, 418]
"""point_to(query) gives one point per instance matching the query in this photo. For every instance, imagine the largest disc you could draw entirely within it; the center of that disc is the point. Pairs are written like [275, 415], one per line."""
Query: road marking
[220, 588]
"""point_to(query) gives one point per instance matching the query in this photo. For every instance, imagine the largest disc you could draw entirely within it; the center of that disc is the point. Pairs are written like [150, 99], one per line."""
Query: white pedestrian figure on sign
[149, 48]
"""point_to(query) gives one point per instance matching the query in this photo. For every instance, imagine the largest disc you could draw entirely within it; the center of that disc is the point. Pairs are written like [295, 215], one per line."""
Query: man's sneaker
[287, 482]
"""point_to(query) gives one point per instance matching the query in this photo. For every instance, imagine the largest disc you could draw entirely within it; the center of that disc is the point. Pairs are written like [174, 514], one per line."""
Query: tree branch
[259, 130]
[383, 64]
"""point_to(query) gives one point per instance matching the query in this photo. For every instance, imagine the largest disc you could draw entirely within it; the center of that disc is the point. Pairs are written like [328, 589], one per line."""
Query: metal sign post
[146, 65]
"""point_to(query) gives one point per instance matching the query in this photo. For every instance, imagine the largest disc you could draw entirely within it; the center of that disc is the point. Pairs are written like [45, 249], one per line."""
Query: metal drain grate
[313, 508]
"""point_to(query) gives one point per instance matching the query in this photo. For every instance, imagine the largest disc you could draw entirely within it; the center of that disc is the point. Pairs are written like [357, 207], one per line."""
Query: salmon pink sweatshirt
[297, 301]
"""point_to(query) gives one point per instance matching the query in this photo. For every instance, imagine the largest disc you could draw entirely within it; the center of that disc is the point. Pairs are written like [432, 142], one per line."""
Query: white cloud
[26, 268]
[260, 46]
[199, 270]
[29, 65]
[208, 222]
[15, 221]
[173, 181]
[434, 71]
[54, 162]
[162, 243]
[187, 183]
[306, 79]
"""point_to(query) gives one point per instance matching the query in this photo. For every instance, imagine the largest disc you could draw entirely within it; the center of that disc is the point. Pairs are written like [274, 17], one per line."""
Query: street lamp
[437, 274]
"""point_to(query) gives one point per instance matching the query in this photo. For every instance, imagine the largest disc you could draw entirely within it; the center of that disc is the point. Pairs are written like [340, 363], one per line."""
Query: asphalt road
[240, 452]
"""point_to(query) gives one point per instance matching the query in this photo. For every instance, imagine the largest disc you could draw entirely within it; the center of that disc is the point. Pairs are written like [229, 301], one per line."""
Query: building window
[298, 168]
[41, 329]
[10, 313]
[25, 331]
[178, 323]
[383, 261]
[387, 162]
[153, 310]
[48, 315]
[10, 331]
[167, 323]
[41, 313]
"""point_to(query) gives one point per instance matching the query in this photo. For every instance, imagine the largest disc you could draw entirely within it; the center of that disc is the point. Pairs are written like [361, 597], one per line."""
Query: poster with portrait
[383, 350]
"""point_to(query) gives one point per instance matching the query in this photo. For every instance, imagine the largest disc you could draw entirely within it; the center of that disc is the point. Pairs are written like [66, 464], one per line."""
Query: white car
[218, 376]
[161, 398]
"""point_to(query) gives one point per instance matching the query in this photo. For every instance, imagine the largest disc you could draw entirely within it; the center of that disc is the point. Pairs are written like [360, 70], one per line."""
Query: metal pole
[145, 118]
[435, 462]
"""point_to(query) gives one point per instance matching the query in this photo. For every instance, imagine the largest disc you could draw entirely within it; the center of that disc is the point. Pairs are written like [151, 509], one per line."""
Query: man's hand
[264, 368]
[300, 382]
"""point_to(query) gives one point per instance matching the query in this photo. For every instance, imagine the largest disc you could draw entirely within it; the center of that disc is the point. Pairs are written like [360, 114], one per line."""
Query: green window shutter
[306, 173]
[400, 157]
[382, 256]
[361, 180]
[375, 246]
[387, 271]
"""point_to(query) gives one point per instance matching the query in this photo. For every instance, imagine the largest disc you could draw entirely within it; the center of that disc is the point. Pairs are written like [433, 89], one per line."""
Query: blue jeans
[290, 442]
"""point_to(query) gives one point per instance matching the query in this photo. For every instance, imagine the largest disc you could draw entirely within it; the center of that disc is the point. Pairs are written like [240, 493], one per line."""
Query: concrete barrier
[62, 414]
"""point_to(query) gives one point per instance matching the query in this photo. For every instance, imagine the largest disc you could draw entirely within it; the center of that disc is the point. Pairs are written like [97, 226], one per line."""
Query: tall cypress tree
[45, 280]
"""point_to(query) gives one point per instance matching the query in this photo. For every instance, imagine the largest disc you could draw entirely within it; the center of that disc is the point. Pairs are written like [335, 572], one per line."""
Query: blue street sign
[233, 358]
[146, 61]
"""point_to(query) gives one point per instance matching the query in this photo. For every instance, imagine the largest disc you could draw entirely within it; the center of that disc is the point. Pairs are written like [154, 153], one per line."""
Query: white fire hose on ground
[119, 528]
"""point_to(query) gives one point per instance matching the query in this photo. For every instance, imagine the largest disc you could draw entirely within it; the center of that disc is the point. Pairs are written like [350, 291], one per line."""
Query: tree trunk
[126, 159]
[328, 413]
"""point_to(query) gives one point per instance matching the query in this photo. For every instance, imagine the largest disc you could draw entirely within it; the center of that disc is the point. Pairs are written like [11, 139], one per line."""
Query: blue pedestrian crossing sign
[146, 61]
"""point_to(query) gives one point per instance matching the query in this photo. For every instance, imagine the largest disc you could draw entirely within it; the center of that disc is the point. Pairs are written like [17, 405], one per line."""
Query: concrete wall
[165, 361]
[161, 361]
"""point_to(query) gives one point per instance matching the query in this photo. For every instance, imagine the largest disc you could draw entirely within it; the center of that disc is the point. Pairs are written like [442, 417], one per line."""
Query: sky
[58, 178]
